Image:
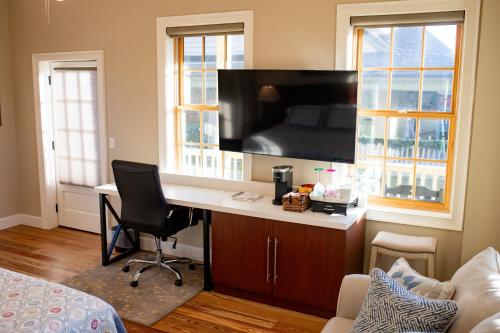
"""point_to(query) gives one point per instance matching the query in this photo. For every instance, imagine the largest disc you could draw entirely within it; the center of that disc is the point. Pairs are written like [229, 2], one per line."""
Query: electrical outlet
[112, 143]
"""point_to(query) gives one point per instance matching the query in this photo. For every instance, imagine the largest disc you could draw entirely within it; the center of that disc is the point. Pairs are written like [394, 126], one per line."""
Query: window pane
[399, 179]
[401, 137]
[211, 161]
[371, 136]
[370, 175]
[433, 139]
[440, 43]
[432, 178]
[190, 126]
[192, 88]
[214, 52]
[233, 165]
[235, 50]
[211, 127]
[77, 126]
[436, 91]
[374, 90]
[191, 159]
[376, 47]
[404, 90]
[192, 52]
[211, 88]
[407, 50]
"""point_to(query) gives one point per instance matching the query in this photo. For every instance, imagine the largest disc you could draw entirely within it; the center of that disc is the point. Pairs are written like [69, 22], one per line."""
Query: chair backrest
[143, 203]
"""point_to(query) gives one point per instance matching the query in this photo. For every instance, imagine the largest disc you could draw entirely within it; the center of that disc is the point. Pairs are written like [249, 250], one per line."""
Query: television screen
[291, 113]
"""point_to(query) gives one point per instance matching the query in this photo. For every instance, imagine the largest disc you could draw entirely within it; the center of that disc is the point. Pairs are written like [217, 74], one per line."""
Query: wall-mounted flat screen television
[305, 114]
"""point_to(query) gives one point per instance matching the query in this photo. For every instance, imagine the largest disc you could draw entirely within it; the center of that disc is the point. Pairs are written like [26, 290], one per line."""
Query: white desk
[218, 200]
[221, 201]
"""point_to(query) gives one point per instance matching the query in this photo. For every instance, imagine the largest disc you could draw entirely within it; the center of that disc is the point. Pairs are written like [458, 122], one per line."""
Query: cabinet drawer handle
[268, 275]
[275, 258]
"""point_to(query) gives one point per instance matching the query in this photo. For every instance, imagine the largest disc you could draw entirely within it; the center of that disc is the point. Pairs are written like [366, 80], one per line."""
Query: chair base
[158, 262]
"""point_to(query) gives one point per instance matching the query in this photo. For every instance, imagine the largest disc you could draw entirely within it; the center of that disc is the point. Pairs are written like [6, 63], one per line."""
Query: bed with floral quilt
[29, 304]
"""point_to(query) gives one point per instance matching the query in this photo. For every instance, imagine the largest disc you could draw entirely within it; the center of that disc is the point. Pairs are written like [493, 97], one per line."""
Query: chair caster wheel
[178, 283]
[134, 283]
[125, 269]
[192, 267]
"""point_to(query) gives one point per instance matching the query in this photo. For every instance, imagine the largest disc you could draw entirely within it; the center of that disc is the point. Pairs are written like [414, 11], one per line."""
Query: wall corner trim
[18, 219]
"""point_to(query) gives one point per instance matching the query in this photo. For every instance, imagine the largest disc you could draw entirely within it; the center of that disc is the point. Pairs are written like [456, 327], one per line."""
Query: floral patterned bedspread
[28, 304]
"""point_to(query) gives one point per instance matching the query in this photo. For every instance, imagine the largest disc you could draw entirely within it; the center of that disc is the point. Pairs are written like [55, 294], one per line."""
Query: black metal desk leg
[207, 271]
[104, 236]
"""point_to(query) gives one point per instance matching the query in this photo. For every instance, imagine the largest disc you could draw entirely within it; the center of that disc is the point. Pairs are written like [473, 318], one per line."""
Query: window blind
[206, 30]
[452, 17]
[77, 126]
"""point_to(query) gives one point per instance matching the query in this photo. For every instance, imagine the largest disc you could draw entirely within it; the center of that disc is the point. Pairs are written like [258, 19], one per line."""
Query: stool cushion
[405, 243]
[407, 277]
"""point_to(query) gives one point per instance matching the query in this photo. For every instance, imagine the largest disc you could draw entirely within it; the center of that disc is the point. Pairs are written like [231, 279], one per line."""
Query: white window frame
[167, 86]
[452, 220]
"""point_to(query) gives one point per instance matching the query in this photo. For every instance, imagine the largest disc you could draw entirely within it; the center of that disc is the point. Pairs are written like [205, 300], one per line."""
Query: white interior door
[79, 137]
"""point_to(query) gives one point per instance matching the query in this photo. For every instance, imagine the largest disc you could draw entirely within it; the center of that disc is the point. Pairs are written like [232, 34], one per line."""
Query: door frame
[44, 125]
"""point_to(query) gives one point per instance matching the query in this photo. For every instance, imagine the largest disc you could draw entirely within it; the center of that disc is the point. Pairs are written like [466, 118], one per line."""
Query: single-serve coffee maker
[283, 182]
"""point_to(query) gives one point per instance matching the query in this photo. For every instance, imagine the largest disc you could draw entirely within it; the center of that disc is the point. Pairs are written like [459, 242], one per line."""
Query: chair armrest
[352, 293]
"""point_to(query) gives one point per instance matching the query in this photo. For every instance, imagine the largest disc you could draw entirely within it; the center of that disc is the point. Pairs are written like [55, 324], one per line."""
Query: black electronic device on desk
[283, 182]
[338, 205]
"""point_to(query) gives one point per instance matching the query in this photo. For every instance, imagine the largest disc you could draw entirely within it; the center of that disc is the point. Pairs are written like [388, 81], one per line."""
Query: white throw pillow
[407, 277]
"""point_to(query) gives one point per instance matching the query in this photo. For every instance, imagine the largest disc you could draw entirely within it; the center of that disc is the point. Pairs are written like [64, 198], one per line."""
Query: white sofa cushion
[489, 325]
[389, 307]
[338, 325]
[407, 277]
[477, 285]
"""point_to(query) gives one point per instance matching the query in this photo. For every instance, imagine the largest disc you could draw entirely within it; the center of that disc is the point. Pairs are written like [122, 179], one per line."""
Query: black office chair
[145, 209]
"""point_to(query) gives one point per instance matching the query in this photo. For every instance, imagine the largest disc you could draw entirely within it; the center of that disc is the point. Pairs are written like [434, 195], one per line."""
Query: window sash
[387, 113]
[201, 109]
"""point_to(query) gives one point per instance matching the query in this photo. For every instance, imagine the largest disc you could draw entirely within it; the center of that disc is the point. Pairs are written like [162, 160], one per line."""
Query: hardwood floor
[62, 253]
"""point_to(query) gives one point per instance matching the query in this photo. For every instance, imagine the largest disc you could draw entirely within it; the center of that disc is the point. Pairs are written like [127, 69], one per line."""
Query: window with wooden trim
[197, 111]
[408, 77]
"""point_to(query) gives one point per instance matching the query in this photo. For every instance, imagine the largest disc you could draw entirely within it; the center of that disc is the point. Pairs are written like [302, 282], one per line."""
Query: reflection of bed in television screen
[300, 114]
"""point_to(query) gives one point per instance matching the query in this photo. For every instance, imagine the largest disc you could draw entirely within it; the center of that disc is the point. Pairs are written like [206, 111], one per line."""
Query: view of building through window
[407, 80]
[197, 113]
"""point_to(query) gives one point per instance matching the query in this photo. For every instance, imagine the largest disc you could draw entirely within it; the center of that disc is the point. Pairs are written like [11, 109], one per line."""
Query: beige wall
[482, 209]
[9, 198]
[287, 34]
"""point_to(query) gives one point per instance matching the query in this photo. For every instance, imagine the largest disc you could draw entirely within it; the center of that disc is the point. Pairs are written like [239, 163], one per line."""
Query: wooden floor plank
[62, 253]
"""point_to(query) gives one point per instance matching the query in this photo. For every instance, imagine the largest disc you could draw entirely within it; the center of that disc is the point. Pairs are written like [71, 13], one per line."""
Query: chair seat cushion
[405, 243]
[407, 277]
[338, 325]
[388, 307]
[179, 220]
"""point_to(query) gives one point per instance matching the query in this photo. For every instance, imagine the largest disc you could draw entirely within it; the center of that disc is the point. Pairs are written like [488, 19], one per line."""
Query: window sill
[418, 218]
[217, 183]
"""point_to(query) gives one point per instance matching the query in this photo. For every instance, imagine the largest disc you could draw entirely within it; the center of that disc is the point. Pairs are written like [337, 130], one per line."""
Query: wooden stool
[408, 247]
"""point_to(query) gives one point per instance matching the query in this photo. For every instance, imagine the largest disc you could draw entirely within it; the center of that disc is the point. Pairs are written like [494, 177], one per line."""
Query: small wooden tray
[296, 202]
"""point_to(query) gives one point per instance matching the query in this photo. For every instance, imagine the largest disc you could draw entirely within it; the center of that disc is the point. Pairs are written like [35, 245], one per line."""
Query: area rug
[154, 298]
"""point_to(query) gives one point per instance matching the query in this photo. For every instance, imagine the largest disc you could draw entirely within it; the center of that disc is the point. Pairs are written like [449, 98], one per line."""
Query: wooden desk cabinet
[291, 265]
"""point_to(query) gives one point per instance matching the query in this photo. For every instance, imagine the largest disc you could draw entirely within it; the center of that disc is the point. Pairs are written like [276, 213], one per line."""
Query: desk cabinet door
[241, 253]
[309, 266]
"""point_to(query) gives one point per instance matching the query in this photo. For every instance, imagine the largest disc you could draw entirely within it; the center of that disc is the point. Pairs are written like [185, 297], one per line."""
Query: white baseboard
[32, 221]
[17, 219]
[9, 221]
[182, 250]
